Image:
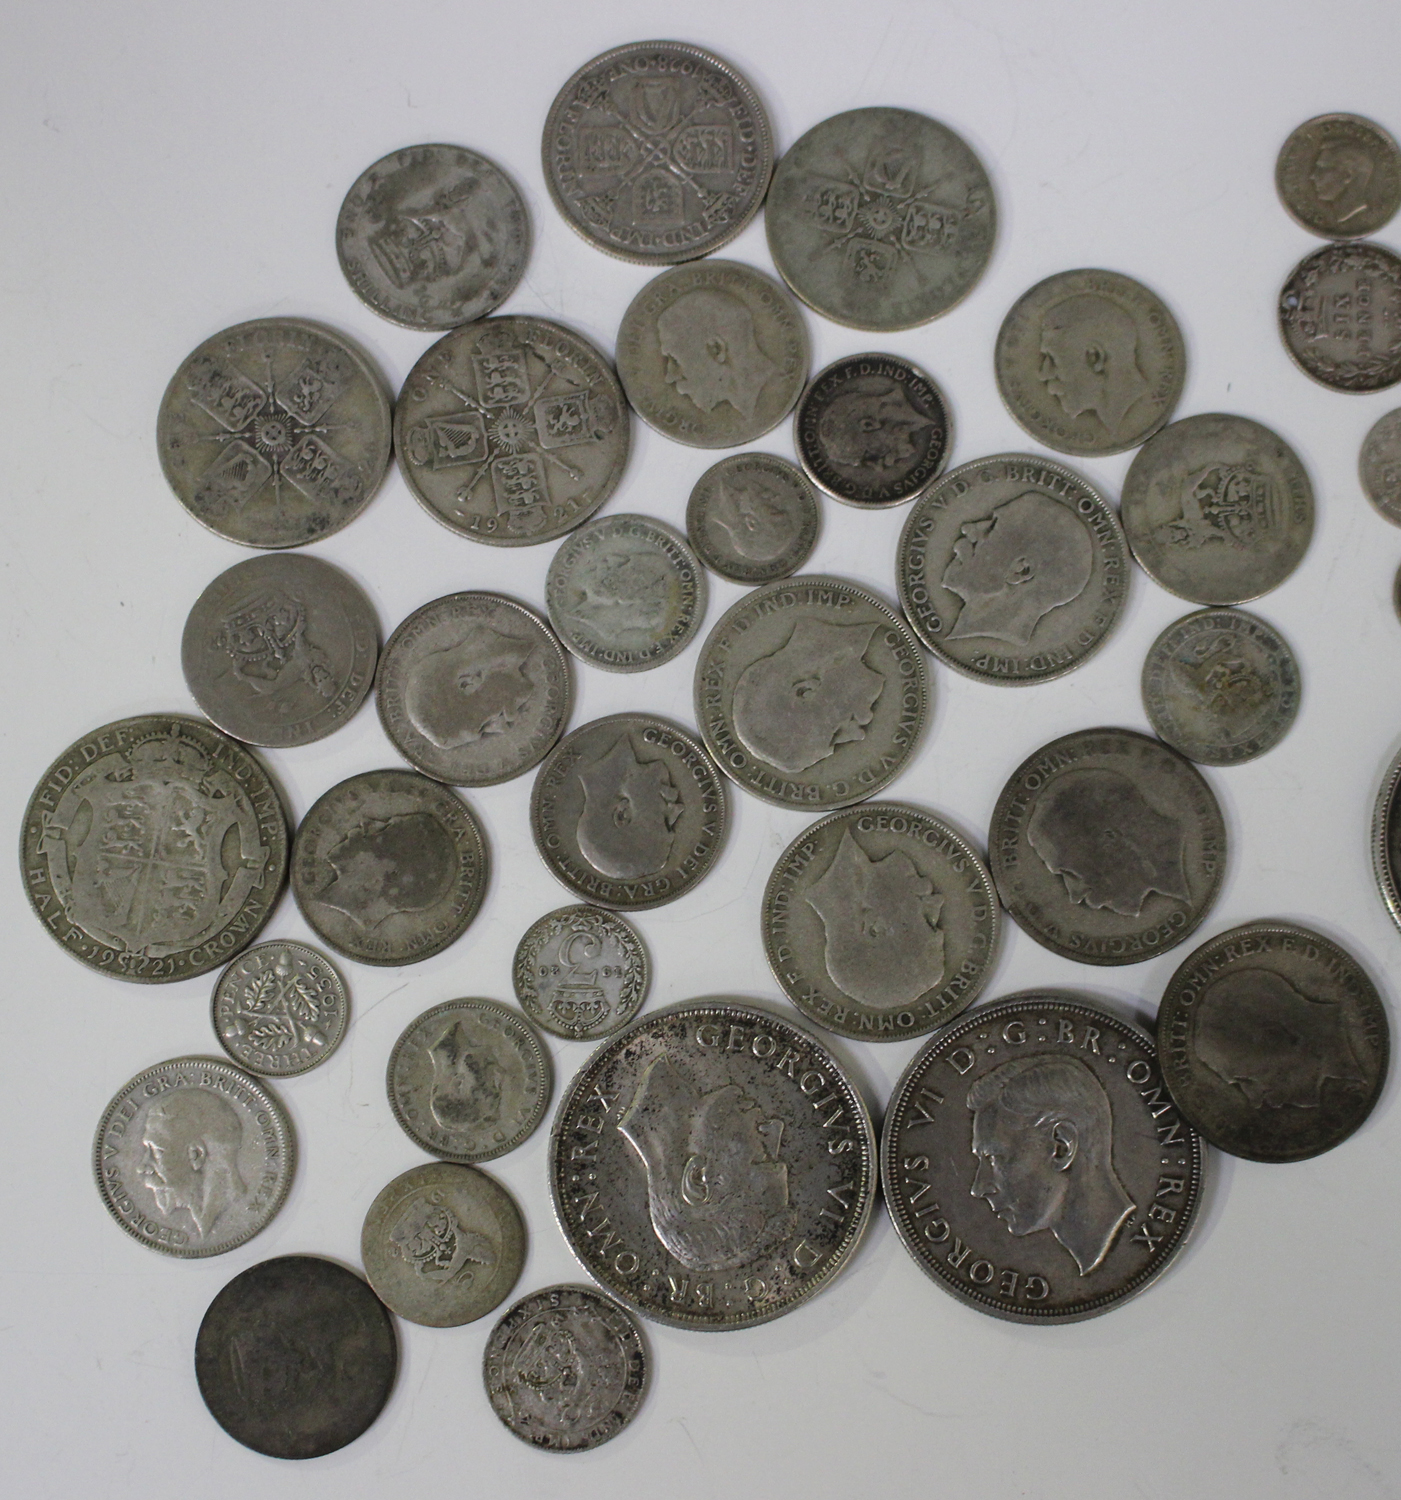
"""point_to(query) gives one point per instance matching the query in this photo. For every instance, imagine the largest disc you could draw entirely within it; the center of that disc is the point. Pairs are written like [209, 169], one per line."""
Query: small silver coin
[433, 236]
[1340, 316]
[1339, 176]
[275, 433]
[1033, 1163]
[1379, 465]
[1386, 839]
[474, 689]
[1090, 362]
[280, 1009]
[581, 972]
[753, 518]
[194, 1156]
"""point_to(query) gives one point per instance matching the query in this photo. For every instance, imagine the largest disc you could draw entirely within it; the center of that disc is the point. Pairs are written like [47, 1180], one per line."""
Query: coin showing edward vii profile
[753, 518]
[1340, 316]
[1339, 176]
[581, 972]
[280, 1009]
[1386, 839]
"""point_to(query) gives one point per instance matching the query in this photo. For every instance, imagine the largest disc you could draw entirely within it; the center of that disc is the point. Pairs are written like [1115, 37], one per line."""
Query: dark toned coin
[1340, 316]
[753, 518]
[1339, 176]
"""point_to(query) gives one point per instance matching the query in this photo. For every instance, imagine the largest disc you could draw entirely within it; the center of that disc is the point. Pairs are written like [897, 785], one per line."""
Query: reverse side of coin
[753, 518]
[581, 972]
[1379, 465]
[1386, 839]
[280, 1009]
[1339, 176]
[1340, 317]
[1033, 1163]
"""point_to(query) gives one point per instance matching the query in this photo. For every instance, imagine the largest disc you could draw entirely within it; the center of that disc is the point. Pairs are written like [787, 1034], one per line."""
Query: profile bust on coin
[1339, 176]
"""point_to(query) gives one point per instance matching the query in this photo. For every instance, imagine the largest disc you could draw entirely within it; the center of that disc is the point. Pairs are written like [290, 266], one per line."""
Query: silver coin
[154, 849]
[713, 354]
[1221, 686]
[1033, 1163]
[1340, 316]
[880, 218]
[628, 811]
[468, 1080]
[389, 867]
[1013, 569]
[1217, 509]
[511, 430]
[275, 433]
[443, 1244]
[657, 152]
[753, 518]
[474, 689]
[811, 693]
[194, 1156]
[625, 593]
[881, 922]
[1090, 362]
[581, 972]
[1107, 847]
[712, 1166]
[280, 1009]
[433, 236]
[1379, 465]
[280, 650]
[1386, 839]
[1339, 176]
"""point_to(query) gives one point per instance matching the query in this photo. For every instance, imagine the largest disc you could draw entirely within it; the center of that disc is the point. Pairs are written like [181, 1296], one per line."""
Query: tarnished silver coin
[275, 433]
[581, 972]
[1221, 686]
[468, 1080]
[712, 1165]
[443, 1244]
[389, 867]
[154, 849]
[433, 236]
[811, 693]
[1033, 1163]
[473, 689]
[280, 1009]
[1107, 847]
[629, 811]
[1339, 176]
[1090, 362]
[194, 1156]
[657, 152]
[566, 1368]
[880, 218]
[1379, 465]
[1217, 509]
[753, 518]
[511, 430]
[1013, 569]
[881, 922]
[1386, 839]
[1274, 1042]
[1340, 316]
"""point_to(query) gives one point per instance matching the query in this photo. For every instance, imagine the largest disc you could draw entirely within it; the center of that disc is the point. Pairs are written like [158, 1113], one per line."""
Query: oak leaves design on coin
[581, 972]
[1340, 316]
[280, 1009]
[1339, 176]
[753, 518]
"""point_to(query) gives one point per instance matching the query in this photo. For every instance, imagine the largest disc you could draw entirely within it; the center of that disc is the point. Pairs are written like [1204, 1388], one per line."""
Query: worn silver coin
[753, 518]
[280, 1009]
[1340, 316]
[581, 972]
[1386, 839]
[1379, 465]
[1339, 176]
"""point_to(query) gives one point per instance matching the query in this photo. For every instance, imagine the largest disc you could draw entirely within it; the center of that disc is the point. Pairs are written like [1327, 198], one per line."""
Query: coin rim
[1387, 884]
[343, 1009]
[518, 965]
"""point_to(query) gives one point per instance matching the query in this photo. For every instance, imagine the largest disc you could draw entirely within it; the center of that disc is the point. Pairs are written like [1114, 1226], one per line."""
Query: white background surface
[168, 169]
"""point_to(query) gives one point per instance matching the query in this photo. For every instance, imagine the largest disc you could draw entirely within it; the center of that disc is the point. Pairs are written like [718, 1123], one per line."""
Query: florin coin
[712, 1165]
[154, 849]
[753, 518]
[1386, 839]
[1379, 465]
[1033, 1163]
[1340, 316]
[581, 972]
[1339, 176]
[280, 1009]
[1274, 1042]
[275, 433]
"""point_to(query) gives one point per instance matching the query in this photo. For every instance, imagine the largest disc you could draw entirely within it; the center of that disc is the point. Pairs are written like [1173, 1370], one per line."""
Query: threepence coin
[1379, 465]
[753, 518]
[1386, 839]
[1340, 316]
[712, 1166]
[1339, 176]
[581, 972]
[154, 849]
[1034, 1164]
[280, 1009]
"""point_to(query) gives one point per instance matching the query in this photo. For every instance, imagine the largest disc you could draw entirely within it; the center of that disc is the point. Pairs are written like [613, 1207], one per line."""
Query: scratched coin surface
[712, 1165]
[753, 518]
[1340, 176]
[280, 1009]
[1034, 1164]
[1379, 465]
[581, 972]
[1386, 839]
[1340, 316]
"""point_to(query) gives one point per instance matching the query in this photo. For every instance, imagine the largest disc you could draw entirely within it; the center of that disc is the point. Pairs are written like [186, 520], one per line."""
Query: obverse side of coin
[1034, 1164]
[880, 922]
[154, 849]
[1090, 362]
[1386, 839]
[811, 693]
[753, 518]
[511, 430]
[1379, 465]
[280, 1009]
[1012, 569]
[194, 1156]
[433, 236]
[389, 867]
[275, 433]
[1340, 316]
[474, 689]
[1107, 847]
[581, 972]
[1274, 1042]
[1340, 176]
[880, 218]
[712, 1166]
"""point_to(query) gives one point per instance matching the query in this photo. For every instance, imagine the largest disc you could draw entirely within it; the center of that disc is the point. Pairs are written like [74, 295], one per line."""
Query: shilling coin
[1339, 176]
[433, 236]
[811, 693]
[1274, 1042]
[880, 922]
[1386, 839]
[753, 518]
[1090, 362]
[1034, 1164]
[275, 433]
[1107, 847]
[880, 218]
[1340, 316]
[511, 430]
[473, 689]
[1013, 569]
[1379, 465]
[280, 1009]
[581, 972]
[712, 1165]
[389, 867]
[154, 849]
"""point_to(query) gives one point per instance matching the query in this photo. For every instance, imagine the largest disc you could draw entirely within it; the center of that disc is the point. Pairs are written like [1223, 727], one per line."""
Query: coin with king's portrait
[1339, 176]
[753, 518]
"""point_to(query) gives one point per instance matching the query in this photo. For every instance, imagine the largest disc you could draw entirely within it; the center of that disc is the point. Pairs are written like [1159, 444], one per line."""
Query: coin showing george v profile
[753, 518]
